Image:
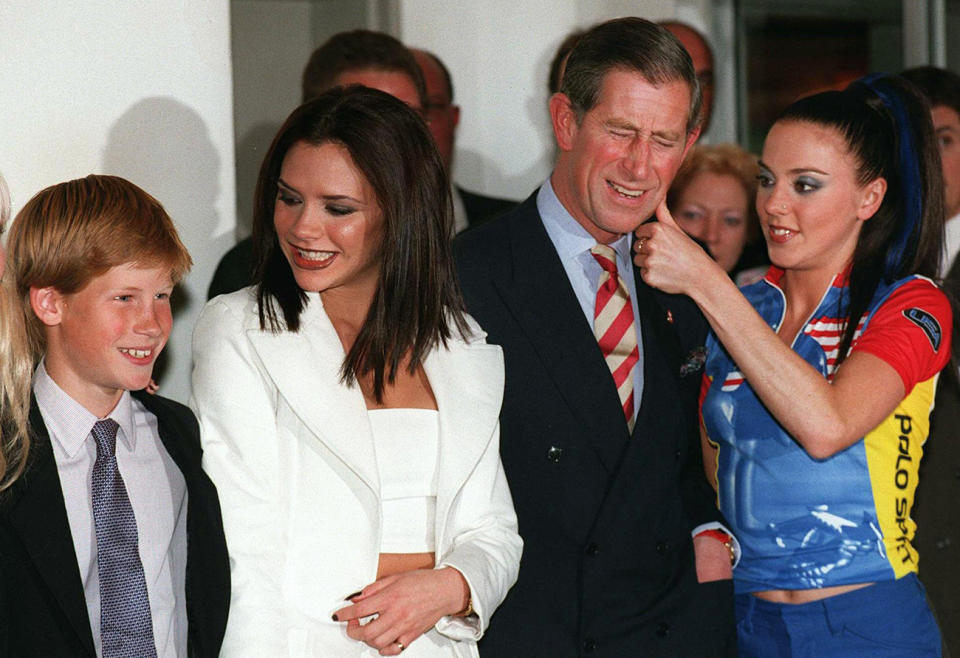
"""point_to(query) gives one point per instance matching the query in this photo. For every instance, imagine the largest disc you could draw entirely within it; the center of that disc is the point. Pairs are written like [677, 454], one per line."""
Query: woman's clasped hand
[392, 612]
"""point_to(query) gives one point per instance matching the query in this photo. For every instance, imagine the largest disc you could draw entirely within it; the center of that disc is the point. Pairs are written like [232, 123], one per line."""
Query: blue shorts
[890, 618]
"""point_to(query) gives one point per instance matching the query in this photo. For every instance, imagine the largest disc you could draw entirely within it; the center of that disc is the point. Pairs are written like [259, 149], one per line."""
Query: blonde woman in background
[712, 200]
[16, 368]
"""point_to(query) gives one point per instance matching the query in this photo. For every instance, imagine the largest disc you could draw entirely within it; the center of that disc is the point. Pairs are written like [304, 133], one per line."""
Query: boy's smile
[104, 339]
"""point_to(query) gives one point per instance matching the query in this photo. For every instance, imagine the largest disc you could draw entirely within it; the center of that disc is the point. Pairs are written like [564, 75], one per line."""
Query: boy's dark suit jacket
[606, 518]
[43, 612]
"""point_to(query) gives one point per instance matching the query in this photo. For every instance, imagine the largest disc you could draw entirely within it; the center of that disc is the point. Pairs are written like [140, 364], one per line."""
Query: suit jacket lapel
[661, 349]
[539, 294]
[466, 382]
[305, 366]
[207, 586]
[38, 514]
[169, 437]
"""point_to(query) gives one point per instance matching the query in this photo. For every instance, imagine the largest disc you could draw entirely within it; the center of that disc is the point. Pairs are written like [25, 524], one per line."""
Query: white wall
[499, 53]
[138, 89]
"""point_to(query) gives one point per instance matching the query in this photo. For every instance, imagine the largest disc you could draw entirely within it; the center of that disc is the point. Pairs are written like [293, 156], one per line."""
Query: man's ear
[692, 137]
[871, 198]
[564, 121]
[47, 304]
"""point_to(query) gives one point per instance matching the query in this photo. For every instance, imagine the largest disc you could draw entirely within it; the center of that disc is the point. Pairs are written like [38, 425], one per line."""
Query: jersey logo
[927, 323]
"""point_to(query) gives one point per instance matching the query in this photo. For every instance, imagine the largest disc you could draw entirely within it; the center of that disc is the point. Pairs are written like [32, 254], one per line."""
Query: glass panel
[953, 28]
[792, 50]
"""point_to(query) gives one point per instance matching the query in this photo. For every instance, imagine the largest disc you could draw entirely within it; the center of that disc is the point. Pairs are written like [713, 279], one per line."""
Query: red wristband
[723, 538]
[719, 535]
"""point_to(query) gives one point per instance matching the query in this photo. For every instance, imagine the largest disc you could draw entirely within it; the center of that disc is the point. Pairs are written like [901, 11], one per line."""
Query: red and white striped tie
[613, 327]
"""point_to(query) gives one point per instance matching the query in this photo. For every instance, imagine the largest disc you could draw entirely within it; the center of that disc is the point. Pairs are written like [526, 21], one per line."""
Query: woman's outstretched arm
[823, 417]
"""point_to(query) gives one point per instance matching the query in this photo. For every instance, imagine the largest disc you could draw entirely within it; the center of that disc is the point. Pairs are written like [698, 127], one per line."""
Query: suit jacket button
[592, 549]
[676, 455]
[663, 629]
[663, 547]
[554, 454]
[589, 645]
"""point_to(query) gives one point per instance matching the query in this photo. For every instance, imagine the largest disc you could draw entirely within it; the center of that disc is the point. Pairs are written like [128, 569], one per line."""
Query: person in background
[16, 369]
[712, 199]
[111, 541]
[696, 44]
[624, 552]
[938, 521]
[368, 58]
[443, 116]
[819, 379]
[357, 57]
[942, 90]
[356, 449]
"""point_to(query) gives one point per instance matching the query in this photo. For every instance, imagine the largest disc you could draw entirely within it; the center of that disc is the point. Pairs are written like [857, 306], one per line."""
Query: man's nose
[637, 159]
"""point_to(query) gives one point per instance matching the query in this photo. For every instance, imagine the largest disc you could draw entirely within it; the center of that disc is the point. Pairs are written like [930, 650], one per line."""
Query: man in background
[696, 44]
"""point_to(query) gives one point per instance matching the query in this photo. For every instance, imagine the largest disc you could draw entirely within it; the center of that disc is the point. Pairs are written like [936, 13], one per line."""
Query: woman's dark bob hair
[885, 123]
[418, 301]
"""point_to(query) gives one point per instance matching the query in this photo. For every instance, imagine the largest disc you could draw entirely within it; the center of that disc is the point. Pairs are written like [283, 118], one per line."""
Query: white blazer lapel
[467, 382]
[305, 367]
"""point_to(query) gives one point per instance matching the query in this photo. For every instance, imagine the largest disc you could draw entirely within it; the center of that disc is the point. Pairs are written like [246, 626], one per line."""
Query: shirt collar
[69, 423]
[460, 218]
[569, 237]
[951, 243]
[840, 280]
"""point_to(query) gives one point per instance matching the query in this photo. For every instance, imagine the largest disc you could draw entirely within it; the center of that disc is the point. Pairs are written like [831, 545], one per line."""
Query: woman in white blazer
[349, 407]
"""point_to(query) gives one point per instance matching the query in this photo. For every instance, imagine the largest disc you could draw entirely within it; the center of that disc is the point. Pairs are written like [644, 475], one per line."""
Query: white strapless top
[407, 447]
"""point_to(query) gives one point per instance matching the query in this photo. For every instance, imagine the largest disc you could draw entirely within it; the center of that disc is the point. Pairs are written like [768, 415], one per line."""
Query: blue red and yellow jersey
[804, 523]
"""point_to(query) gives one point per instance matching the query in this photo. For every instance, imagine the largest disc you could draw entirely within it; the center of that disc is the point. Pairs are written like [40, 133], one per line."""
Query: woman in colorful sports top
[820, 378]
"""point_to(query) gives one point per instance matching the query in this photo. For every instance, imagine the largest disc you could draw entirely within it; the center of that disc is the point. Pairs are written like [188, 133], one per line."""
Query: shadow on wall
[164, 147]
[537, 106]
[251, 150]
[488, 176]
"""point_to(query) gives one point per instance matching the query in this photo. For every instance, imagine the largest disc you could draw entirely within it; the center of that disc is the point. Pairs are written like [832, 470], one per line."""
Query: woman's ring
[399, 644]
[640, 245]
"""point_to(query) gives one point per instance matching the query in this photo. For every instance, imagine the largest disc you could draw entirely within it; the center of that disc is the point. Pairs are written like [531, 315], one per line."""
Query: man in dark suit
[443, 116]
[936, 510]
[601, 444]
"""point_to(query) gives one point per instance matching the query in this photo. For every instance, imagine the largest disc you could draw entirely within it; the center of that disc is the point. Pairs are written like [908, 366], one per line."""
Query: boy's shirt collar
[69, 423]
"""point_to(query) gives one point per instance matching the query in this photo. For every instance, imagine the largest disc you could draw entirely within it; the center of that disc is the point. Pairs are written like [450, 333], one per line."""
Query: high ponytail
[886, 125]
